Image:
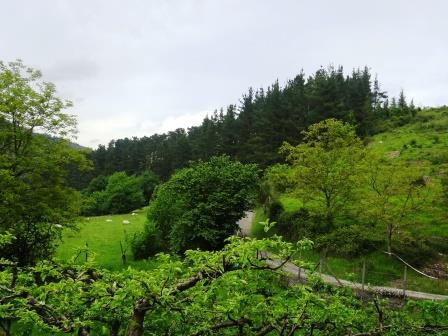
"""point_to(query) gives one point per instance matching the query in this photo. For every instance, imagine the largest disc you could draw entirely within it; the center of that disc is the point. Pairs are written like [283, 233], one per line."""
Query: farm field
[103, 235]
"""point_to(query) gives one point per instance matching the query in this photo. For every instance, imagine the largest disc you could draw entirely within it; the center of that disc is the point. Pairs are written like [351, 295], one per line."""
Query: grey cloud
[163, 62]
[72, 70]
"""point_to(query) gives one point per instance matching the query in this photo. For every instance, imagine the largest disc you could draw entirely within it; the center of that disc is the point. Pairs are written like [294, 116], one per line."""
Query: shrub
[123, 193]
[93, 204]
[295, 225]
[148, 182]
[199, 206]
[275, 210]
[147, 243]
[414, 249]
[98, 183]
[350, 241]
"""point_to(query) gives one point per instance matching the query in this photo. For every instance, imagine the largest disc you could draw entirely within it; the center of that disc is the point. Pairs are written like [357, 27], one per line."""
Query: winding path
[298, 274]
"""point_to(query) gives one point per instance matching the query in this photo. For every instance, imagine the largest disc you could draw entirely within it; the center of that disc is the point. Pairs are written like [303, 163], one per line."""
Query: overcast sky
[134, 68]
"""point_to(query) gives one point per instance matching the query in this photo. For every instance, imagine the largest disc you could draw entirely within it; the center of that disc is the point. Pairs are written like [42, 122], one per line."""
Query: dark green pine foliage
[253, 130]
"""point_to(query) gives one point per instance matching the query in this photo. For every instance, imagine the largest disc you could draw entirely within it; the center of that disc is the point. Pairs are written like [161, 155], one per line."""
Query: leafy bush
[94, 204]
[275, 210]
[199, 206]
[121, 194]
[350, 241]
[147, 243]
[295, 225]
[148, 182]
[414, 249]
[98, 183]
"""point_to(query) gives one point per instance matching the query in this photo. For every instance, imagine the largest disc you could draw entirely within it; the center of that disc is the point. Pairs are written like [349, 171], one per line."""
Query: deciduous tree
[35, 201]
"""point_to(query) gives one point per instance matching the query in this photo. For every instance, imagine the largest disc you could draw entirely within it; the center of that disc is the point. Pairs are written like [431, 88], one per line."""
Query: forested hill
[253, 130]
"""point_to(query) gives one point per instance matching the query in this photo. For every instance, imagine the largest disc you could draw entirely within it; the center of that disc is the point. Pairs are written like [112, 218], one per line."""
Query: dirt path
[245, 224]
[300, 274]
[295, 272]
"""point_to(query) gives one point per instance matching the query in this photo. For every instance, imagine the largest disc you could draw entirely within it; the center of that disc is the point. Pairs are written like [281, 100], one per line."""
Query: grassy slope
[426, 141]
[103, 238]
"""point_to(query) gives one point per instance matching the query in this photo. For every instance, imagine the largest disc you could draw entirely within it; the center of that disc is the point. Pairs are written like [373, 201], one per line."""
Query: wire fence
[397, 274]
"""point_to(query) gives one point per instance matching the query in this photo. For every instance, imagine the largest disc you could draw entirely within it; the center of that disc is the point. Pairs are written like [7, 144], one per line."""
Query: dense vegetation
[228, 292]
[351, 199]
[118, 193]
[354, 200]
[252, 131]
[35, 199]
[198, 207]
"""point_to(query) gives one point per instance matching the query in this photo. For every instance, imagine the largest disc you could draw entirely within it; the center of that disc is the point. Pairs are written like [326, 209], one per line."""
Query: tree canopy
[35, 199]
[253, 130]
[326, 166]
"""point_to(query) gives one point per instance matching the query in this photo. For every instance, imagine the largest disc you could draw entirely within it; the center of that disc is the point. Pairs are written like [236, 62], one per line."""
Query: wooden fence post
[363, 275]
[405, 279]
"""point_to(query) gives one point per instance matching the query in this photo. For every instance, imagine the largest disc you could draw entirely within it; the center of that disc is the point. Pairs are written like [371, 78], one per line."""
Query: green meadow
[102, 236]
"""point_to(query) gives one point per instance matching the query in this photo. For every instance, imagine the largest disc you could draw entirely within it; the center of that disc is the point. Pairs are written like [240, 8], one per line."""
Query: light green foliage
[6, 238]
[326, 166]
[228, 292]
[35, 198]
[399, 204]
[199, 206]
[395, 194]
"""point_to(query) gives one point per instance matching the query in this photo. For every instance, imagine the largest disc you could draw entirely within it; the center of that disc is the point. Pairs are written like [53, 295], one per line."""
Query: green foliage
[275, 210]
[118, 193]
[199, 206]
[123, 193]
[34, 161]
[148, 182]
[233, 291]
[295, 225]
[395, 188]
[147, 243]
[97, 184]
[326, 167]
[266, 117]
[396, 193]
[350, 241]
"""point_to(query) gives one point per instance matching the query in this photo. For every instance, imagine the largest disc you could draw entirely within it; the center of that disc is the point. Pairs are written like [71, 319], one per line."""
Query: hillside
[421, 144]
[424, 141]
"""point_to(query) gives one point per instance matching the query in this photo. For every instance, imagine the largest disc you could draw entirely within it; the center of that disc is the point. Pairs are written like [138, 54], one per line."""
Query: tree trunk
[114, 328]
[389, 238]
[138, 318]
[84, 331]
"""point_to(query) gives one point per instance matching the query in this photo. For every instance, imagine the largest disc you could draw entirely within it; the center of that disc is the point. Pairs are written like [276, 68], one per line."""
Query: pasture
[102, 236]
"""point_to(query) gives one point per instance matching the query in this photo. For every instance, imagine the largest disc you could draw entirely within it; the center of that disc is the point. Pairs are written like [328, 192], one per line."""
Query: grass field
[103, 235]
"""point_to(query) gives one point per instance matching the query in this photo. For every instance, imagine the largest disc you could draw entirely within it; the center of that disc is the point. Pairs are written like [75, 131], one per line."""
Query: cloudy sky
[134, 68]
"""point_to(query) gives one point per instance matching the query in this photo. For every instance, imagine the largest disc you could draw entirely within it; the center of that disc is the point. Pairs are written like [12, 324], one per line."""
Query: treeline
[118, 193]
[254, 130]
